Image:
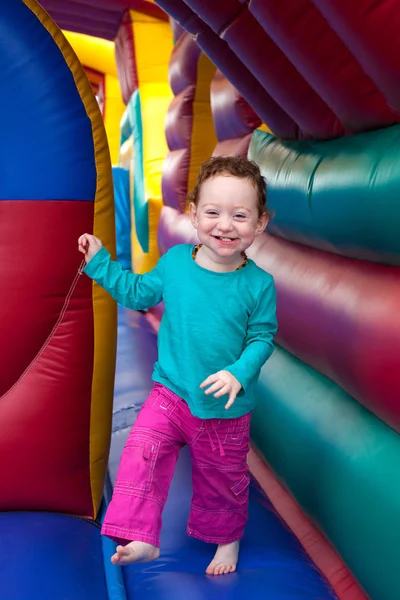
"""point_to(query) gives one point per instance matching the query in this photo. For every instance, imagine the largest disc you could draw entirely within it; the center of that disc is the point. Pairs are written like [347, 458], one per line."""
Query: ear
[262, 223]
[193, 214]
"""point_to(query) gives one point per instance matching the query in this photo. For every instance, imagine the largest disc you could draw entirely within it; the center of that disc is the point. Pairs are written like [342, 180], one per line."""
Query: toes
[210, 570]
[116, 559]
[220, 569]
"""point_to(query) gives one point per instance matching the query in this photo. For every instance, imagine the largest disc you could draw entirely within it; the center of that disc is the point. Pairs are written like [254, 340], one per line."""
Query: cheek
[246, 229]
[206, 224]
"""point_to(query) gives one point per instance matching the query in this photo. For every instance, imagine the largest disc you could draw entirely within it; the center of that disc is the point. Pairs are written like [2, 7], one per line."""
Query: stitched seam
[226, 469]
[217, 511]
[51, 334]
[142, 494]
[211, 540]
[110, 529]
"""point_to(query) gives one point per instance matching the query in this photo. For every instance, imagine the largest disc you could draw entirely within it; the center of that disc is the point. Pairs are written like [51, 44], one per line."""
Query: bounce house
[110, 107]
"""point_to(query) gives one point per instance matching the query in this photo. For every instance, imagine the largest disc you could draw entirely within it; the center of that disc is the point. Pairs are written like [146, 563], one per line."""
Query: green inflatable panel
[340, 462]
[339, 195]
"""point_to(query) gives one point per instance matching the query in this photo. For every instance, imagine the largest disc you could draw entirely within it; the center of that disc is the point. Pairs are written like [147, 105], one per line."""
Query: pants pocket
[138, 462]
[234, 432]
[241, 488]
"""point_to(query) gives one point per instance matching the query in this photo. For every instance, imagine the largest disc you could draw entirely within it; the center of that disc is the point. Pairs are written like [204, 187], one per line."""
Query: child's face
[226, 217]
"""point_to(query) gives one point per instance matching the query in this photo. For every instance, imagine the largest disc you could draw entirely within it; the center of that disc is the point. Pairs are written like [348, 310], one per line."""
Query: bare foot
[135, 552]
[225, 559]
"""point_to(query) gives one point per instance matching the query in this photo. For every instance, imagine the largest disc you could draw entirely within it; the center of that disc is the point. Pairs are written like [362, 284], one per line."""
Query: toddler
[216, 333]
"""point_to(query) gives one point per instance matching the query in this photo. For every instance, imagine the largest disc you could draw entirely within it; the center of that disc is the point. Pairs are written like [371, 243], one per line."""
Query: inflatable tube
[339, 461]
[341, 316]
[341, 195]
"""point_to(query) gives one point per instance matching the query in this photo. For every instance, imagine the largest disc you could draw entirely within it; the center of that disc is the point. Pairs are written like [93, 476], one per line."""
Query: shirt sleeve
[138, 292]
[259, 341]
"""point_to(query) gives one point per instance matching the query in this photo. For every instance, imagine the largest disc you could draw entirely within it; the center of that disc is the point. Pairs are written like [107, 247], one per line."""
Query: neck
[219, 264]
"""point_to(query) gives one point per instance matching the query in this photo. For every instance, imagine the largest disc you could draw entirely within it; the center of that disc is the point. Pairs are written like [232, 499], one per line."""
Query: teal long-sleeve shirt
[211, 321]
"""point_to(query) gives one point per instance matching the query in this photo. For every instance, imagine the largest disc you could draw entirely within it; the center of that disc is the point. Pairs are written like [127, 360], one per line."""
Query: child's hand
[225, 383]
[89, 245]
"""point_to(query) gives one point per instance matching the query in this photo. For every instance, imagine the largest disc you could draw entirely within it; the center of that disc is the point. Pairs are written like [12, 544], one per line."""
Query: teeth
[225, 239]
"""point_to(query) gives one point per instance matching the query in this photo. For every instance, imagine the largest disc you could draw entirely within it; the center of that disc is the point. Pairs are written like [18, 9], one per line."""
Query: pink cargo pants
[220, 476]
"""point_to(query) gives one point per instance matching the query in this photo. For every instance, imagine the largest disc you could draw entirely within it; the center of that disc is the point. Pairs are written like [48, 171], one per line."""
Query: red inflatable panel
[34, 284]
[317, 52]
[54, 392]
[341, 316]
[370, 29]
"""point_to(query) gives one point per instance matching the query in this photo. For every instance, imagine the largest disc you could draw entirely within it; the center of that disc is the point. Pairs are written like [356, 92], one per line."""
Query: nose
[225, 224]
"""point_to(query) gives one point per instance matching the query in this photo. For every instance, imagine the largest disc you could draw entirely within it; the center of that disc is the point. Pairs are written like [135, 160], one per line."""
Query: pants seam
[211, 540]
[133, 535]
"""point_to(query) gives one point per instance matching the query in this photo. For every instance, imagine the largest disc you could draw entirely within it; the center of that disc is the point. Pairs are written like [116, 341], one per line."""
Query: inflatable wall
[308, 91]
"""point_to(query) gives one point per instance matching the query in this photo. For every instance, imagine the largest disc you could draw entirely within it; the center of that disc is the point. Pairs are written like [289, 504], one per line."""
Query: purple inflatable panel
[174, 228]
[332, 71]
[183, 64]
[216, 14]
[233, 147]
[179, 120]
[175, 178]
[247, 85]
[231, 66]
[233, 116]
[278, 76]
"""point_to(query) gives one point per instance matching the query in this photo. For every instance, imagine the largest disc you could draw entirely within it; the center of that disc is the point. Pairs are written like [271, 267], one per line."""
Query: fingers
[211, 379]
[83, 240]
[221, 384]
[231, 400]
[224, 390]
[215, 387]
[87, 243]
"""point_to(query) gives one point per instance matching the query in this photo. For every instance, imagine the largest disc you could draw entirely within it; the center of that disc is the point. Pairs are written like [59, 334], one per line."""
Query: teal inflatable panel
[125, 126]
[122, 216]
[340, 462]
[340, 195]
[140, 204]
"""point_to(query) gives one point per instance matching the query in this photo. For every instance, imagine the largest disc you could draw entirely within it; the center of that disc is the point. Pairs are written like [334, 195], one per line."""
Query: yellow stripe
[99, 54]
[203, 139]
[104, 308]
[94, 52]
[152, 60]
[264, 127]
[114, 109]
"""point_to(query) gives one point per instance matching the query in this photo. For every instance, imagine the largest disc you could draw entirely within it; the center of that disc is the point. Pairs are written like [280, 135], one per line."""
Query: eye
[212, 213]
[240, 216]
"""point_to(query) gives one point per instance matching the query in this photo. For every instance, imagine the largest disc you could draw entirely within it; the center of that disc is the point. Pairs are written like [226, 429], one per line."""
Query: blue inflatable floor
[45, 556]
[272, 564]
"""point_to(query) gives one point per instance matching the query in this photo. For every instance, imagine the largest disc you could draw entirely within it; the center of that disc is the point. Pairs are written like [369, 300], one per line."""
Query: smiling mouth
[225, 239]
